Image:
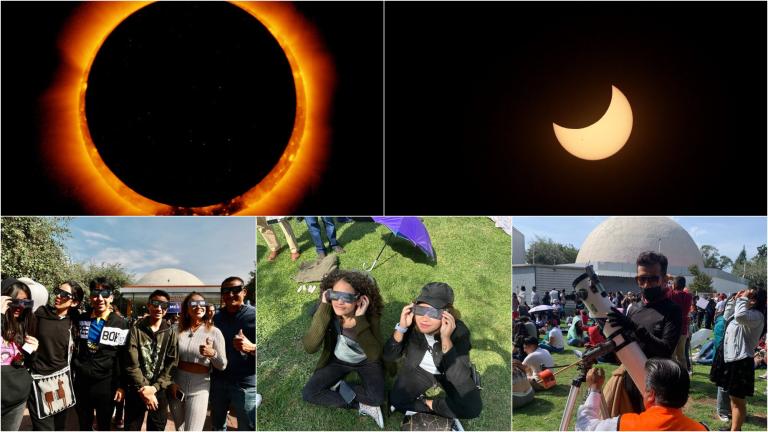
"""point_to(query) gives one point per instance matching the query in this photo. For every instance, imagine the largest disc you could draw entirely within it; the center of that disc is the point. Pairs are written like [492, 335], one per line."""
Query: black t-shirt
[659, 325]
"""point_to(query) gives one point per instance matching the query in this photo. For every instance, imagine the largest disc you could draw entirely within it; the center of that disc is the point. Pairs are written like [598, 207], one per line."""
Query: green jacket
[151, 356]
[321, 331]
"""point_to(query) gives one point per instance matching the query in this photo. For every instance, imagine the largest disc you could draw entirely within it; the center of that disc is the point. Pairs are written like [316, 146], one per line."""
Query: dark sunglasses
[232, 289]
[198, 303]
[103, 293]
[159, 303]
[58, 292]
[428, 311]
[21, 303]
[343, 297]
[647, 279]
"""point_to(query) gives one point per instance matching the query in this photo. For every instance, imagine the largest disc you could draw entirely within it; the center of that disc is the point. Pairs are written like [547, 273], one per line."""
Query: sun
[75, 163]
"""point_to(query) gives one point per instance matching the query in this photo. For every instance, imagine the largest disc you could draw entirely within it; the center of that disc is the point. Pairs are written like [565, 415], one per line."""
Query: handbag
[53, 393]
[16, 384]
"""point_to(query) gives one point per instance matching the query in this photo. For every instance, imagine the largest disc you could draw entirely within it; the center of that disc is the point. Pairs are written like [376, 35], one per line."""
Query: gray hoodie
[743, 331]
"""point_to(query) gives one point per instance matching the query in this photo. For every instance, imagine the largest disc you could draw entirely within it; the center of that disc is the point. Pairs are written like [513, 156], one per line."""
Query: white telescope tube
[590, 290]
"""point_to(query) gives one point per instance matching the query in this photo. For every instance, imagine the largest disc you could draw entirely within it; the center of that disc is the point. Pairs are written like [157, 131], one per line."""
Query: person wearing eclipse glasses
[201, 347]
[151, 356]
[16, 348]
[436, 377]
[346, 325]
[57, 333]
[235, 384]
[98, 364]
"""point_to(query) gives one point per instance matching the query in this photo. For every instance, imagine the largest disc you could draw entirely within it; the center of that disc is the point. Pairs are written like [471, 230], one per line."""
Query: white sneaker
[258, 400]
[374, 412]
[456, 426]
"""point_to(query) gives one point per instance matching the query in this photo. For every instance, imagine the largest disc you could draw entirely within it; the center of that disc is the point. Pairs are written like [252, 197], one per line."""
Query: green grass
[546, 410]
[473, 257]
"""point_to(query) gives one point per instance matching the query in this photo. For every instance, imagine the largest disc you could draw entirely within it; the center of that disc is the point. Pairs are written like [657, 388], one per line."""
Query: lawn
[546, 410]
[473, 256]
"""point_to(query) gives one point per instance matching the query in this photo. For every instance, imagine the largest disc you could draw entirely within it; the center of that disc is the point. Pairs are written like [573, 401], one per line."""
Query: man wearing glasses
[235, 385]
[101, 342]
[152, 347]
[656, 324]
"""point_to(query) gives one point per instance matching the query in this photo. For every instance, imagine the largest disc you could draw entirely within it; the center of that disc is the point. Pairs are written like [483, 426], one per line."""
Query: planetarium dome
[169, 277]
[622, 239]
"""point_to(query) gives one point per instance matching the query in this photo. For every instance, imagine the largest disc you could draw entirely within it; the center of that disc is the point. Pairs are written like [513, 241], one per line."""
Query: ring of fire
[76, 164]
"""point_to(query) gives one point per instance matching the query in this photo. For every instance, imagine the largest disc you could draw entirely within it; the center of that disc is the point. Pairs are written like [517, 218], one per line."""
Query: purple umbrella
[410, 228]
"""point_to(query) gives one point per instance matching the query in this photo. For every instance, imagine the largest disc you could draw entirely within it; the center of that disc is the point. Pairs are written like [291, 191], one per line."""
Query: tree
[113, 272]
[738, 267]
[702, 282]
[251, 285]
[755, 269]
[546, 251]
[713, 259]
[34, 247]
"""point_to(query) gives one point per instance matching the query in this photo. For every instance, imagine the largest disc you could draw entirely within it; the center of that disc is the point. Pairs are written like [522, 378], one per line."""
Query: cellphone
[27, 347]
[180, 395]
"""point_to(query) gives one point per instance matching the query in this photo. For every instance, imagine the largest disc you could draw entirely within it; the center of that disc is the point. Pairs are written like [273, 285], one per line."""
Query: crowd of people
[436, 379]
[662, 319]
[78, 355]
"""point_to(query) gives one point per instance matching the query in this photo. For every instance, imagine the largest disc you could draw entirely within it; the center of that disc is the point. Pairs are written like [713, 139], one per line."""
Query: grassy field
[474, 257]
[546, 410]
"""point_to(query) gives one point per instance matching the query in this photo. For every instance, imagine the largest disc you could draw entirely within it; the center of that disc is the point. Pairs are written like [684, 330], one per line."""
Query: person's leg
[220, 399]
[60, 420]
[313, 226]
[738, 412]
[267, 233]
[197, 403]
[157, 419]
[290, 238]
[318, 388]
[178, 413]
[38, 424]
[679, 354]
[85, 403]
[244, 402]
[11, 418]
[723, 403]
[330, 231]
[409, 385]
[104, 396]
[547, 346]
[371, 392]
[134, 411]
[465, 406]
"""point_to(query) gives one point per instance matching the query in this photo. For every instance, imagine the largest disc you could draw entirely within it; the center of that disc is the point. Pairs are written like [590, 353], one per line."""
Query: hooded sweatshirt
[56, 343]
[100, 358]
[151, 355]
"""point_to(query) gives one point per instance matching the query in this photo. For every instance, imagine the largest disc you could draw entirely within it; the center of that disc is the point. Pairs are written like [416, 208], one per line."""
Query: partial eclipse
[603, 138]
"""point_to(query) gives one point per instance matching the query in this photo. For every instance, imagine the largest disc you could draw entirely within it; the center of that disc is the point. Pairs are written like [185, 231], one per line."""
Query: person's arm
[730, 308]
[458, 372]
[742, 314]
[313, 339]
[369, 336]
[134, 378]
[588, 415]
[396, 343]
[219, 361]
[669, 336]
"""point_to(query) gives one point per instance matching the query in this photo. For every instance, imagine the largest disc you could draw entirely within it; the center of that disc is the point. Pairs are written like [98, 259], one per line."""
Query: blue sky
[211, 248]
[727, 234]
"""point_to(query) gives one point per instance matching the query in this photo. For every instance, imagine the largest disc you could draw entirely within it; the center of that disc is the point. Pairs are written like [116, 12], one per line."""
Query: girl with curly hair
[346, 324]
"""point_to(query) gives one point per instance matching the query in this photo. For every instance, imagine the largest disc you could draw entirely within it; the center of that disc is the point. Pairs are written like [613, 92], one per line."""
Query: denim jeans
[550, 348]
[371, 392]
[224, 393]
[11, 418]
[723, 402]
[314, 231]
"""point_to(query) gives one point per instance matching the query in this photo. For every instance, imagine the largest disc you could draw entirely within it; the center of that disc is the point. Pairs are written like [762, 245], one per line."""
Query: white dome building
[176, 282]
[169, 277]
[622, 239]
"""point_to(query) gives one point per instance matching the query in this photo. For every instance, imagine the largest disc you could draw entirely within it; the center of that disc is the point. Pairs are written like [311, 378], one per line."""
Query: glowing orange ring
[84, 176]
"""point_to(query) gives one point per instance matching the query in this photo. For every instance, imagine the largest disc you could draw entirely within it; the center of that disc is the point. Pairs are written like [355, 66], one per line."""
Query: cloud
[696, 231]
[135, 259]
[96, 235]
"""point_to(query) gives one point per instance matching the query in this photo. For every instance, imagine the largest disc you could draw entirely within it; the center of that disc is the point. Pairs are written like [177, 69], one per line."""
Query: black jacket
[54, 334]
[105, 360]
[659, 325]
[453, 365]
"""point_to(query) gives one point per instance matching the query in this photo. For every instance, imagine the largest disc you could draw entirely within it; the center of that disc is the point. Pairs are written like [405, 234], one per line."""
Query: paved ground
[72, 424]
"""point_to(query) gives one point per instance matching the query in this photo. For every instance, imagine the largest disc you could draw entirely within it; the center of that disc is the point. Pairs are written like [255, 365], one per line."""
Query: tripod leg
[570, 404]
[604, 414]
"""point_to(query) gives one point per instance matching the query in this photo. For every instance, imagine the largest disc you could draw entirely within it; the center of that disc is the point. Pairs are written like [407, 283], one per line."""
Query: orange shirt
[659, 418]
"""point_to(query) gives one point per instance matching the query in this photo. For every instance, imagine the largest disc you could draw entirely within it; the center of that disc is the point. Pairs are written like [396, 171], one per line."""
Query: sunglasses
[233, 289]
[21, 303]
[103, 293]
[428, 311]
[647, 279]
[58, 292]
[198, 303]
[342, 297]
[159, 303]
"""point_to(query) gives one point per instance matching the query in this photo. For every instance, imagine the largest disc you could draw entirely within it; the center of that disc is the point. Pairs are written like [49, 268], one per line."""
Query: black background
[352, 183]
[473, 90]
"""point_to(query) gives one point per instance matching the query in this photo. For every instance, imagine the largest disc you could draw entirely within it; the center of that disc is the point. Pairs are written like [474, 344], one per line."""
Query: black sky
[473, 89]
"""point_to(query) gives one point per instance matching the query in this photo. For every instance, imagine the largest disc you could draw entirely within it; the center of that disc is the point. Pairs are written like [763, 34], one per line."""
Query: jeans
[723, 402]
[11, 418]
[550, 348]
[318, 388]
[56, 422]
[224, 393]
[95, 394]
[707, 353]
[317, 238]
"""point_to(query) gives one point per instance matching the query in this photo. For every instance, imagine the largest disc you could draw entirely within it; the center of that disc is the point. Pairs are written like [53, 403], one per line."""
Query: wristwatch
[402, 330]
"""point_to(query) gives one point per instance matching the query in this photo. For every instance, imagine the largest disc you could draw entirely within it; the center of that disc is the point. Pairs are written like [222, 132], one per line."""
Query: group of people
[63, 355]
[436, 377]
[313, 226]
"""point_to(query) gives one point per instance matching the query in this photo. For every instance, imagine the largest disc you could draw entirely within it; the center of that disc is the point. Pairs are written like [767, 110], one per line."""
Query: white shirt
[554, 295]
[720, 306]
[428, 363]
[539, 358]
[556, 337]
[588, 417]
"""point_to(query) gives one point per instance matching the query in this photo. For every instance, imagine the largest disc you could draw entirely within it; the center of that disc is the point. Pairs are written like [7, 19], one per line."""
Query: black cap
[436, 294]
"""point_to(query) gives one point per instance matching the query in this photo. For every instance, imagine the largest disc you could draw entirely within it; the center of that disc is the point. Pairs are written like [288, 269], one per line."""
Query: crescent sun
[603, 138]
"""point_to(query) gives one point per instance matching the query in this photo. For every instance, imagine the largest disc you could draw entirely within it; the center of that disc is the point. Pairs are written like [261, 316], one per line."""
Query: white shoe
[456, 426]
[374, 412]
[258, 400]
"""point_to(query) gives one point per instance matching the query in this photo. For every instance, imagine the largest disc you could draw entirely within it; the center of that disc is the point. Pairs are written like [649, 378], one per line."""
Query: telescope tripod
[584, 365]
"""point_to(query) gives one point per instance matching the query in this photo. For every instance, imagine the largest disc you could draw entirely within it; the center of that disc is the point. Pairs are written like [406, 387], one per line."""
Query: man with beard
[656, 324]
[101, 345]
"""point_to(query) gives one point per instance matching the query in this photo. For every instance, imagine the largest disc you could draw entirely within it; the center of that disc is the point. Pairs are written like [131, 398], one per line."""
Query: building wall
[518, 247]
